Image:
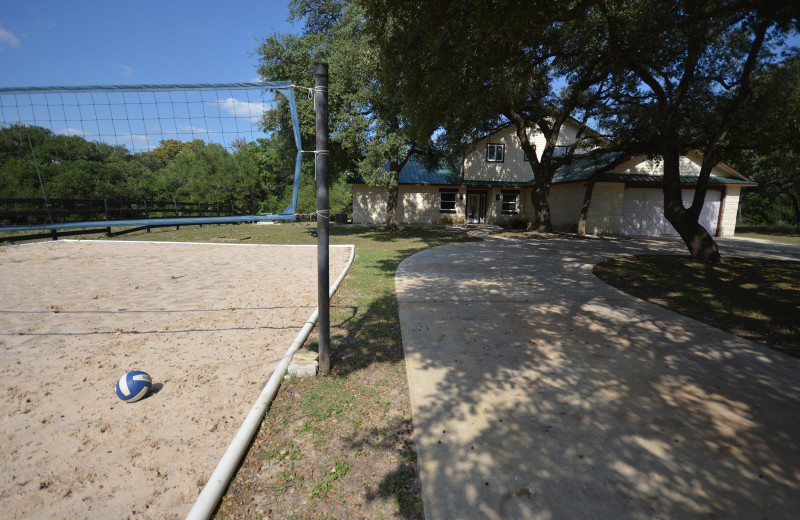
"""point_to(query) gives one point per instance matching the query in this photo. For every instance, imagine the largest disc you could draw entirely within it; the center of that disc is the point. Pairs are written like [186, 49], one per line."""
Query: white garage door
[643, 212]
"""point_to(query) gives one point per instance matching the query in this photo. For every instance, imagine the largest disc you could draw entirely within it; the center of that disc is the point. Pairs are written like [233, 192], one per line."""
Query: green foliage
[68, 165]
[327, 398]
[662, 77]
[519, 223]
[252, 177]
[764, 144]
[760, 209]
[169, 149]
[366, 123]
[209, 172]
[461, 73]
[685, 72]
[340, 197]
[683, 77]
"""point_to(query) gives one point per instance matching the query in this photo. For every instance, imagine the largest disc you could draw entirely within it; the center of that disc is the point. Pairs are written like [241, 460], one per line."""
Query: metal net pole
[323, 214]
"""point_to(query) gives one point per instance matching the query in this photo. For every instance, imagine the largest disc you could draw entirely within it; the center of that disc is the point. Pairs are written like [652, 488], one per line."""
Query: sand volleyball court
[208, 322]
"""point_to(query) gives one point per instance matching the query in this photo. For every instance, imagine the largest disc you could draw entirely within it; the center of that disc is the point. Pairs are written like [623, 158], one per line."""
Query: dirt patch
[208, 322]
[332, 448]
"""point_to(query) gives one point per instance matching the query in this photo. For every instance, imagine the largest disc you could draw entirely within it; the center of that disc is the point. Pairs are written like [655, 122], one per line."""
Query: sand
[208, 322]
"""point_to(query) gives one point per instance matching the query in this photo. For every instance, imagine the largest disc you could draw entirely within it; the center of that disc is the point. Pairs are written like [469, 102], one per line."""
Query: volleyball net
[142, 124]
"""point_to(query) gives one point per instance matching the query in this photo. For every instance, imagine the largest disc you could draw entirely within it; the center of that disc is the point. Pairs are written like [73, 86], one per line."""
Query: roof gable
[690, 164]
[582, 169]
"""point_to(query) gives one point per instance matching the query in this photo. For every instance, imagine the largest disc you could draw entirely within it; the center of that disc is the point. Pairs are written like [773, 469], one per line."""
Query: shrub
[453, 220]
[518, 223]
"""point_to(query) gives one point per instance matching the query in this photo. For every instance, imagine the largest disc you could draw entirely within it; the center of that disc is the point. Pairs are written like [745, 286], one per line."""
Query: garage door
[643, 212]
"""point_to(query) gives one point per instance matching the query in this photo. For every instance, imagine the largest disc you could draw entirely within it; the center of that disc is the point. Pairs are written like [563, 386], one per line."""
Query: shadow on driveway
[540, 392]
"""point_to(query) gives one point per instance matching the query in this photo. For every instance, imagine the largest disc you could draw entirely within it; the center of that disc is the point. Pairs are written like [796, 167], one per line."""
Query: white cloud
[134, 142]
[125, 69]
[194, 129]
[8, 39]
[75, 131]
[138, 141]
[242, 109]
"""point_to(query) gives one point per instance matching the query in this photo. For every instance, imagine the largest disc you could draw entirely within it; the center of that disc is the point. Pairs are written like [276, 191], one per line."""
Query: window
[525, 156]
[558, 151]
[509, 202]
[447, 201]
[495, 152]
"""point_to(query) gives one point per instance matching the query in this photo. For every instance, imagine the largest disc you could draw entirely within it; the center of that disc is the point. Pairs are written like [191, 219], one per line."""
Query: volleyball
[133, 386]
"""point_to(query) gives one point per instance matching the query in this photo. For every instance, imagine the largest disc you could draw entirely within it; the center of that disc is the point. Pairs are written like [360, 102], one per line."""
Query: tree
[69, 166]
[765, 139]
[686, 70]
[669, 76]
[18, 176]
[168, 150]
[469, 69]
[72, 167]
[367, 131]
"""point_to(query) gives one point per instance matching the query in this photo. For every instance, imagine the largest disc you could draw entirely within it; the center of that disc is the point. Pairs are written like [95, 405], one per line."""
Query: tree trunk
[587, 200]
[393, 193]
[540, 196]
[701, 246]
[796, 207]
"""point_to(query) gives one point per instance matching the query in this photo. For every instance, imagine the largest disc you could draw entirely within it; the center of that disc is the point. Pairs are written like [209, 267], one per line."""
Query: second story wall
[689, 164]
[480, 163]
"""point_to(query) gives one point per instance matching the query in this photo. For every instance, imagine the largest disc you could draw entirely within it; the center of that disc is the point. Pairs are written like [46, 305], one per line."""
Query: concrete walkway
[539, 392]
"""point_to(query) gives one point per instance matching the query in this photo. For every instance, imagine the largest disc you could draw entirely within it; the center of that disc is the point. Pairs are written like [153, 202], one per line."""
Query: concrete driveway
[539, 392]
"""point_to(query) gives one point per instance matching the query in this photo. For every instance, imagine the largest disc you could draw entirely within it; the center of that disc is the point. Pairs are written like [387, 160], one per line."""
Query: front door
[476, 208]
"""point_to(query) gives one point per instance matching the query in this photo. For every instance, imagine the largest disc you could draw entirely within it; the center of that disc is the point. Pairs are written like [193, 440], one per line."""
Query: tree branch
[640, 71]
[745, 86]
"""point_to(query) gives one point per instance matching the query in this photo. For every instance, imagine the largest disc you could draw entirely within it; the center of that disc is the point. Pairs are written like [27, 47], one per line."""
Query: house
[494, 181]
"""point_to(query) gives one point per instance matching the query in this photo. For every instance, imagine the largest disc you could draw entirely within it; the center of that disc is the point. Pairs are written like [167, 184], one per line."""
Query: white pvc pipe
[209, 497]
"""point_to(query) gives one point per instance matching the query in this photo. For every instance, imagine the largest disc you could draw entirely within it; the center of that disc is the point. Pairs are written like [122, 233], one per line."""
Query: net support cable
[285, 88]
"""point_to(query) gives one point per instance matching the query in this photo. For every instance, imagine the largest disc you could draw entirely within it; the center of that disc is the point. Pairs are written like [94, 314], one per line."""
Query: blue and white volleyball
[133, 386]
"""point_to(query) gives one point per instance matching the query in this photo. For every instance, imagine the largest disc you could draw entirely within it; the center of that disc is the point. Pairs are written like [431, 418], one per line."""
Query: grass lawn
[782, 234]
[758, 300]
[341, 446]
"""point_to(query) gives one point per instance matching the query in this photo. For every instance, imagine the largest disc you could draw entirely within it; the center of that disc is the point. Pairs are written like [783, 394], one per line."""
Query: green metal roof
[578, 171]
[415, 173]
[657, 179]
[581, 169]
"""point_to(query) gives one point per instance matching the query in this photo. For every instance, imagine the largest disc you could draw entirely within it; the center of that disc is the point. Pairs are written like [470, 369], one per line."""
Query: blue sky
[86, 42]
[77, 43]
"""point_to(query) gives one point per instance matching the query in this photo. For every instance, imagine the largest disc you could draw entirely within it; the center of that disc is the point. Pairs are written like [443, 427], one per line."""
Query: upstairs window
[447, 201]
[509, 202]
[495, 152]
[558, 151]
[525, 156]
